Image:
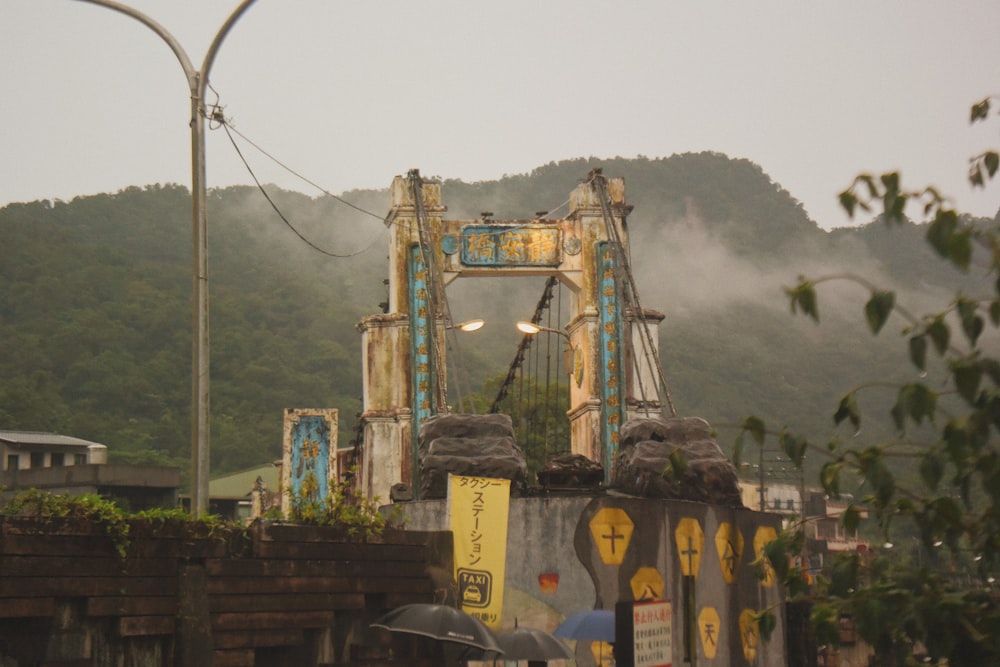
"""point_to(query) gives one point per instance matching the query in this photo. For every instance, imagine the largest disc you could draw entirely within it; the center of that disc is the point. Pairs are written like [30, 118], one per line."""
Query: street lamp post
[531, 329]
[197, 82]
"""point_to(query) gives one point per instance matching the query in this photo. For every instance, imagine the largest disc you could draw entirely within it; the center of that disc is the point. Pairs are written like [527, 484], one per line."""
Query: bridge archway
[616, 372]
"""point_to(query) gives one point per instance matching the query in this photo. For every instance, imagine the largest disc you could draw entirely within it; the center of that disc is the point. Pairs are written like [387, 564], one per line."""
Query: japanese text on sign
[478, 508]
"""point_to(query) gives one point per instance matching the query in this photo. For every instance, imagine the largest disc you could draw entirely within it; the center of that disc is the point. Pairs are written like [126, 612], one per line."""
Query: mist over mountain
[96, 315]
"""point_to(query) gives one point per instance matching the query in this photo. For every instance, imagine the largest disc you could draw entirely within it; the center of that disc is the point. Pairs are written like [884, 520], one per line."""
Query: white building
[24, 450]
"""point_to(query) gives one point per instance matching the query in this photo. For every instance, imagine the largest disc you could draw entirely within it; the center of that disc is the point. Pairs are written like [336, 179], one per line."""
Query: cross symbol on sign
[690, 552]
[613, 536]
[730, 557]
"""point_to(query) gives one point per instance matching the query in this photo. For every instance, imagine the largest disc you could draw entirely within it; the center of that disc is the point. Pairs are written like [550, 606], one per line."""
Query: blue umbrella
[595, 625]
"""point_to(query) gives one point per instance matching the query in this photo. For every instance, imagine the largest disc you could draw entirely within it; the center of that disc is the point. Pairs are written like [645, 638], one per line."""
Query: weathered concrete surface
[644, 453]
[568, 553]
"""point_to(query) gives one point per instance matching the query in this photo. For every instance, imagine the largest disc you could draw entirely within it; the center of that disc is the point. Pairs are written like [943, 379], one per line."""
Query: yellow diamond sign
[611, 529]
[708, 630]
[749, 634]
[729, 546]
[689, 539]
[647, 584]
[764, 536]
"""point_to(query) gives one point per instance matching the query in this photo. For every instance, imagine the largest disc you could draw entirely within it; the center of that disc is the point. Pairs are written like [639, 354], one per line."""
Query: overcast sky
[350, 94]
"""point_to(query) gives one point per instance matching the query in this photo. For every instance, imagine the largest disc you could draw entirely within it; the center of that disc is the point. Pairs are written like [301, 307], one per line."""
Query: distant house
[21, 450]
[66, 465]
[246, 494]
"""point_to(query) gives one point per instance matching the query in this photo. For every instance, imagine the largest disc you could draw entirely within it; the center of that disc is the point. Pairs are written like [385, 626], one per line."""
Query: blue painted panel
[511, 245]
[420, 340]
[310, 473]
[611, 356]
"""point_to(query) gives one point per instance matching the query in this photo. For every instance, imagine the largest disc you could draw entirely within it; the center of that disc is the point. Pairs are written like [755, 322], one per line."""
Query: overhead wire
[281, 215]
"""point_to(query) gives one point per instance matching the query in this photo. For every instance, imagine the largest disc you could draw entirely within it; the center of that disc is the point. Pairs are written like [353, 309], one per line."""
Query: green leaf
[755, 427]
[794, 446]
[878, 309]
[677, 466]
[918, 351]
[917, 401]
[972, 323]
[967, 377]
[960, 249]
[995, 313]
[803, 297]
[844, 575]
[766, 623]
[829, 477]
[940, 334]
[848, 202]
[931, 470]
[825, 620]
[980, 111]
[992, 161]
[848, 409]
[941, 230]
[851, 518]
[890, 181]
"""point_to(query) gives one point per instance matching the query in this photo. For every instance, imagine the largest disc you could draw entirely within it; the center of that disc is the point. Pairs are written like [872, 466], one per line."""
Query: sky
[349, 94]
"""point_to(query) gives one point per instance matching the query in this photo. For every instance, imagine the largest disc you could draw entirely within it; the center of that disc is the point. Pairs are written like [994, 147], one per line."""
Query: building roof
[240, 484]
[20, 438]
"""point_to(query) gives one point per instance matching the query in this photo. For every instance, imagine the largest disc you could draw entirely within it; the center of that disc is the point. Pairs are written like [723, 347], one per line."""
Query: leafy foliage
[92, 510]
[345, 506]
[946, 416]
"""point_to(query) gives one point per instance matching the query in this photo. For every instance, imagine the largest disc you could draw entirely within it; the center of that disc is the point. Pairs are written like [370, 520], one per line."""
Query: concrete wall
[571, 553]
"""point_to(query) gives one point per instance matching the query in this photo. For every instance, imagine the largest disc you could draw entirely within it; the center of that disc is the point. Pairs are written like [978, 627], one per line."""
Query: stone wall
[183, 595]
[569, 553]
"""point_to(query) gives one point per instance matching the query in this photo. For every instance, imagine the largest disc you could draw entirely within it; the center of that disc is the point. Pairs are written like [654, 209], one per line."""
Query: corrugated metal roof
[240, 484]
[42, 438]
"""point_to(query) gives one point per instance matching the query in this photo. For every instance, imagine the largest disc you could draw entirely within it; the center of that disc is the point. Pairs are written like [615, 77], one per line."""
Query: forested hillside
[95, 303]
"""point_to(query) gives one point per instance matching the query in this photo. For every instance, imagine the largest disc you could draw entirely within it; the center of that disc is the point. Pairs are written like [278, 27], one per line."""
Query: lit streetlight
[569, 355]
[469, 326]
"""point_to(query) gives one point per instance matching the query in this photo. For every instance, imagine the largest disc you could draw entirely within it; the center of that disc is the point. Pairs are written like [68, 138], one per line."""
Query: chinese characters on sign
[423, 372]
[478, 508]
[491, 245]
[611, 368]
[309, 453]
[652, 628]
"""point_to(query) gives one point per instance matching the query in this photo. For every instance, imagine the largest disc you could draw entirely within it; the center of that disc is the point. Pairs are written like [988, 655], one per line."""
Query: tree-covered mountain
[96, 314]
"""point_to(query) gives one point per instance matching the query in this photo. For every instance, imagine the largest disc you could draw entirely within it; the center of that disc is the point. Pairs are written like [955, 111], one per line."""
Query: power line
[281, 215]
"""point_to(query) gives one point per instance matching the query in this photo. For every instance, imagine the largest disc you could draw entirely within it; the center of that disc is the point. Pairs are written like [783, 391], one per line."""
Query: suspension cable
[543, 304]
[630, 293]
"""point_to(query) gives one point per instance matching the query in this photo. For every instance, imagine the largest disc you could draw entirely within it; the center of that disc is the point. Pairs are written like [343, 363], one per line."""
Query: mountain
[96, 315]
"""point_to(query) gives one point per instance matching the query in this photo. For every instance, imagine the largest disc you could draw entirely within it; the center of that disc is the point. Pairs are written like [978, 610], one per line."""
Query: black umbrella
[533, 645]
[440, 622]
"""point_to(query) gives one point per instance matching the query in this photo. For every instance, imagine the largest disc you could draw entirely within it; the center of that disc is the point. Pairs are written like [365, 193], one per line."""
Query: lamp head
[471, 325]
[528, 328]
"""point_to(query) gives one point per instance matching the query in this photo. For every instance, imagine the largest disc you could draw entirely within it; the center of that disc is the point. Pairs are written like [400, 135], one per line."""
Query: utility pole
[197, 82]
